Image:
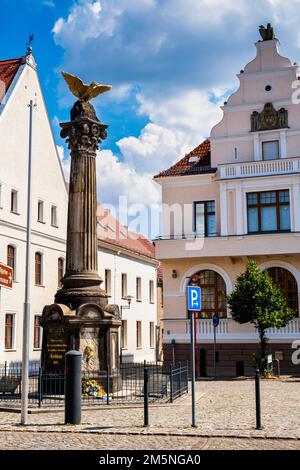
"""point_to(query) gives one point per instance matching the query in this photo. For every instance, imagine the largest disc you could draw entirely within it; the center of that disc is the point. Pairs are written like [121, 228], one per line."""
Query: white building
[128, 268]
[19, 84]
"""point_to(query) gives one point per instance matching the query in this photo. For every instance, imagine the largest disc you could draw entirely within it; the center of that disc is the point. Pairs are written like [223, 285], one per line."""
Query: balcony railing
[282, 166]
[186, 236]
[227, 329]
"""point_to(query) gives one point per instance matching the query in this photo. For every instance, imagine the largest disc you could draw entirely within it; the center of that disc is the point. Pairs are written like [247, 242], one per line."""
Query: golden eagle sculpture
[83, 91]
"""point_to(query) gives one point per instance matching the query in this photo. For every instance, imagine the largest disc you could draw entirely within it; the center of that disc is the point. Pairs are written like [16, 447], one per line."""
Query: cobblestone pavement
[224, 408]
[11, 440]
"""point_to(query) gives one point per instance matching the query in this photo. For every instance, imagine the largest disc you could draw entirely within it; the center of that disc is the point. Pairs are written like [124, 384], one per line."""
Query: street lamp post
[26, 318]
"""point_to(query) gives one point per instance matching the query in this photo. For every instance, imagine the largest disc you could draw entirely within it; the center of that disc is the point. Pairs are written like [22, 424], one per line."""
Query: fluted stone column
[81, 283]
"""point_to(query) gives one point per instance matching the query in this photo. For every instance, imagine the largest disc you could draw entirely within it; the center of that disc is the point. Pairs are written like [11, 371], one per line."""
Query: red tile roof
[8, 70]
[185, 167]
[111, 231]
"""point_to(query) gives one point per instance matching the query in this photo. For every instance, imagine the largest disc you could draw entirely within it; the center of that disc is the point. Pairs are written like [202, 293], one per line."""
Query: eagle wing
[96, 89]
[75, 84]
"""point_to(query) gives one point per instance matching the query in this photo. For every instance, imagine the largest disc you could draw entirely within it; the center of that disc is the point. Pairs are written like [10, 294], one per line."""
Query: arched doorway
[213, 291]
[285, 279]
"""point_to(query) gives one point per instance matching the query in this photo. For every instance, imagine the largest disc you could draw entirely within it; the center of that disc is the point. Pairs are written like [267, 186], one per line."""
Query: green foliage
[258, 301]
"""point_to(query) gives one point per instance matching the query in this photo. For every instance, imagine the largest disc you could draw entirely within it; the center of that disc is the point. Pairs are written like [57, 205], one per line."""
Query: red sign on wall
[6, 276]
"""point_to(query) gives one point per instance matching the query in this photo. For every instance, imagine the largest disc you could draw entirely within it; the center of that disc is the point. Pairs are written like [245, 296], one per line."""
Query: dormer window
[193, 159]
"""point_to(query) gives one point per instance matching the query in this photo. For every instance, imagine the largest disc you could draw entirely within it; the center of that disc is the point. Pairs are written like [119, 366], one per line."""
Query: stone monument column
[81, 318]
[81, 282]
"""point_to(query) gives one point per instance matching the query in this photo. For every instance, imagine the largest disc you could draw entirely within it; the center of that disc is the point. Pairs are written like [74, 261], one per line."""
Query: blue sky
[171, 64]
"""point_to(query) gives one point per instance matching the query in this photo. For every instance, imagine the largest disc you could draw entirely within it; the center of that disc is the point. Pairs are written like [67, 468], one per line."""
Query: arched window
[38, 268]
[11, 259]
[213, 293]
[60, 271]
[284, 279]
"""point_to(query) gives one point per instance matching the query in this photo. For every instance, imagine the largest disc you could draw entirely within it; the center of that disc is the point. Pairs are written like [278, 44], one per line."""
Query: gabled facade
[235, 197]
[20, 84]
[119, 251]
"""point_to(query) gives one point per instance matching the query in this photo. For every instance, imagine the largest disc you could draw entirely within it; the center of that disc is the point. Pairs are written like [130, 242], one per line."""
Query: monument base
[89, 329]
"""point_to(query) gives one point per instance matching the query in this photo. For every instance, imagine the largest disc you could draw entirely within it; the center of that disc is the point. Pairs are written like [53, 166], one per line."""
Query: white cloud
[182, 56]
[116, 178]
[178, 124]
[65, 161]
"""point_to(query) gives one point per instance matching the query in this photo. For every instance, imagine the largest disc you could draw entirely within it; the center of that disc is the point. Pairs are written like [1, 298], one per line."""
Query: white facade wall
[47, 185]
[119, 262]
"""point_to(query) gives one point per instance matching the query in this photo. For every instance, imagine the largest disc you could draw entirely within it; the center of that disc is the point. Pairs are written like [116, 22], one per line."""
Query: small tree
[257, 300]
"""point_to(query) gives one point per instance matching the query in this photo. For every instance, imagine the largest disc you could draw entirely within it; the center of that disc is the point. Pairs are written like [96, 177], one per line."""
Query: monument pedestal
[88, 329]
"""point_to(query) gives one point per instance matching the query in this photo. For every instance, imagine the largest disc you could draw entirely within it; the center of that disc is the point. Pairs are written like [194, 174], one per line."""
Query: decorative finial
[83, 91]
[28, 44]
[267, 33]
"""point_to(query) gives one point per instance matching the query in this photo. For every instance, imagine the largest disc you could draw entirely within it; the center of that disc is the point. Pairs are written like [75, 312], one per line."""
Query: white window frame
[139, 334]
[107, 281]
[14, 335]
[152, 335]
[14, 203]
[42, 205]
[124, 292]
[41, 333]
[124, 334]
[151, 291]
[54, 220]
[138, 288]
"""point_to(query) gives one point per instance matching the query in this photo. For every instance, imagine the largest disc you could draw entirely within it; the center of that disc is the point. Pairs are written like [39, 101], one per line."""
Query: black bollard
[146, 397]
[257, 399]
[73, 387]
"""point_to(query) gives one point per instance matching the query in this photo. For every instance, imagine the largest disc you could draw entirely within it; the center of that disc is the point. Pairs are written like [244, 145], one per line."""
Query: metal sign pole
[193, 370]
[215, 362]
[197, 373]
[194, 305]
[26, 318]
[215, 321]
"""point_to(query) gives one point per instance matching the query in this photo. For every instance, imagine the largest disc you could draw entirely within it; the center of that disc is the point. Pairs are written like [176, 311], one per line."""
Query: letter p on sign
[194, 298]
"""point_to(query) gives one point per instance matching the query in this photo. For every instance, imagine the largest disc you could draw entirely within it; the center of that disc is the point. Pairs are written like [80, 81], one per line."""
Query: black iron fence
[122, 386]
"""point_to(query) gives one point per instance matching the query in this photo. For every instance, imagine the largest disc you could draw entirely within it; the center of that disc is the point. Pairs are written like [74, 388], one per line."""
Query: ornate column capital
[84, 132]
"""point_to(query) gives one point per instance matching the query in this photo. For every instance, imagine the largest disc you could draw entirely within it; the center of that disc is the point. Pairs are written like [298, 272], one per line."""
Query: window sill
[15, 213]
[271, 232]
[54, 226]
[139, 300]
[10, 350]
[124, 349]
[138, 349]
[37, 349]
[152, 303]
[41, 222]
[39, 285]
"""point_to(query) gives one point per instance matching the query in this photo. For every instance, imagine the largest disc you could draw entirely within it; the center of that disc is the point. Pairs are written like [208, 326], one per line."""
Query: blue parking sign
[194, 298]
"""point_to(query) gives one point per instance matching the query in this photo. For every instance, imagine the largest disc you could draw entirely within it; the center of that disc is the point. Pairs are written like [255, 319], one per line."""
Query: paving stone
[223, 408]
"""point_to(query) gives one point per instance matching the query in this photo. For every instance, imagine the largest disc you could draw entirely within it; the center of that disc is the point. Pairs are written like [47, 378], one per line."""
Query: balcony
[228, 330]
[284, 166]
[190, 246]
